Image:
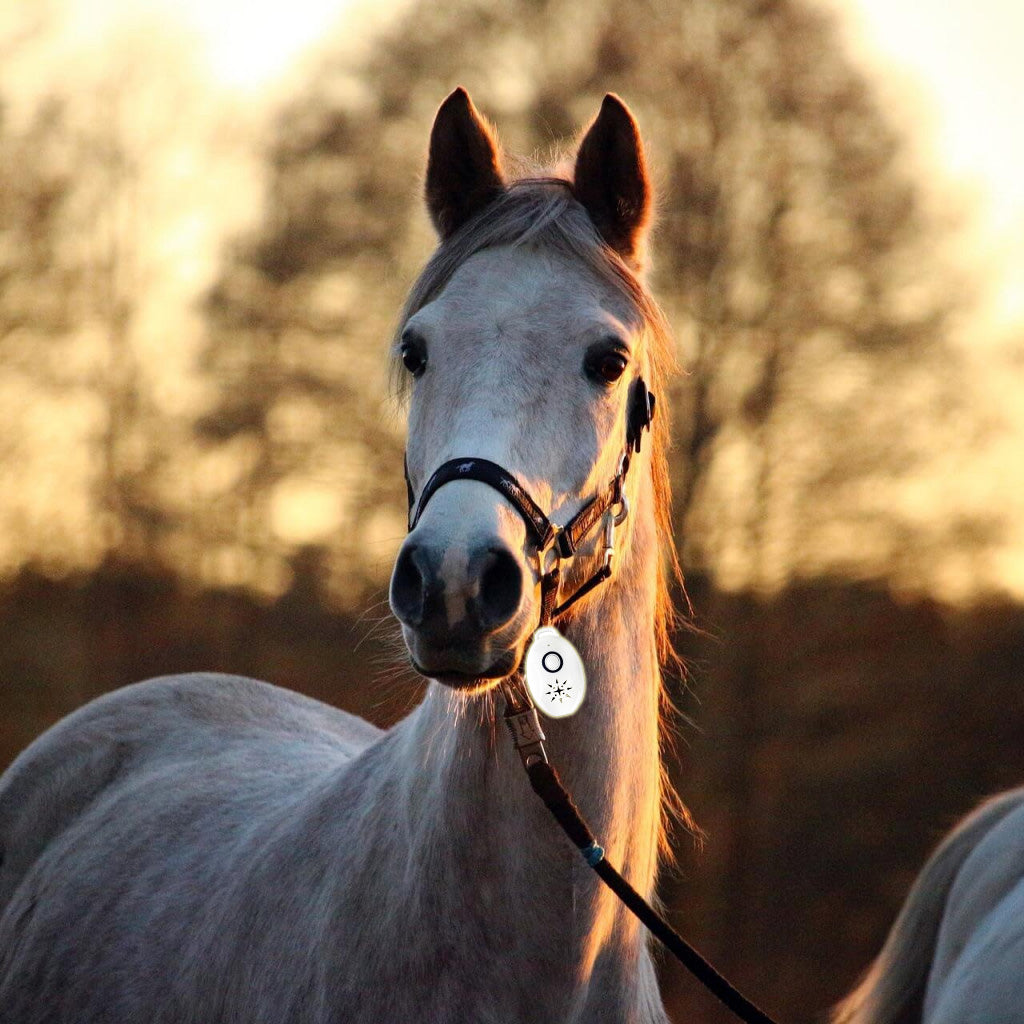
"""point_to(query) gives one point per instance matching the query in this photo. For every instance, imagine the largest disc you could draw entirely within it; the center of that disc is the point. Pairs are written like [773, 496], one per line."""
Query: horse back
[922, 966]
[977, 971]
[173, 720]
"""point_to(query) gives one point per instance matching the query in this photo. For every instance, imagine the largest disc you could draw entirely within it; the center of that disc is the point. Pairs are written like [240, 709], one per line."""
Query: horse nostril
[407, 587]
[501, 588]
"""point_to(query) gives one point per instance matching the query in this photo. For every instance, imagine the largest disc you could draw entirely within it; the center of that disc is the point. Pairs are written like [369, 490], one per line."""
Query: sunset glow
[242, 46]
[954, 77]
[197, 82]
[246, 45]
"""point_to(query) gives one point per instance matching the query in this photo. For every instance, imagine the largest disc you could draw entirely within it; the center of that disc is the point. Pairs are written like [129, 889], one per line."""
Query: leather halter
[563, 541]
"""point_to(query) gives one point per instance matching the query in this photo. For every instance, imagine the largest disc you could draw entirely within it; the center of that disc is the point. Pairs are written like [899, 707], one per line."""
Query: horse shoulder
[63, 772]
[894, 989]
[979, 948]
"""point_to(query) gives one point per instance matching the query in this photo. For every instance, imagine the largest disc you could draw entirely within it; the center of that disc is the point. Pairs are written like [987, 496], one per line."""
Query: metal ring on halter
[620, 516]
[609, 539]
[551, 548]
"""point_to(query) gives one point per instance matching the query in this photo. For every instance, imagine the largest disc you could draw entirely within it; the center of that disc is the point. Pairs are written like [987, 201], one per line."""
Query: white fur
[207, 849]
[956, 953]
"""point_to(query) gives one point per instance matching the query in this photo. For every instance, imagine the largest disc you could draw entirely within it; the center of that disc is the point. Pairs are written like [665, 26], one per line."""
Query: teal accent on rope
[593, 854]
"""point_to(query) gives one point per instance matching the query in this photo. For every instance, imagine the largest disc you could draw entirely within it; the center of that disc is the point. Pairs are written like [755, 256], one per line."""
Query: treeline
[64, 642]
[838, 731]
[801, 261]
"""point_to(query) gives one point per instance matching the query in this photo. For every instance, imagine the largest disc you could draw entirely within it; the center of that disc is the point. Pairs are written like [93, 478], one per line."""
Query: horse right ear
[611, 180]
[464, 169]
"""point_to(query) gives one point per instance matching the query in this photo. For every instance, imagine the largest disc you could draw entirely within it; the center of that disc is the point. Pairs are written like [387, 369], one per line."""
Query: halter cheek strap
[545, 534]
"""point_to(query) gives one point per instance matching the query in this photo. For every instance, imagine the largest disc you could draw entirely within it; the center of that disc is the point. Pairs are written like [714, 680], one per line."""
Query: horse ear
[611, 179]
[464, 169]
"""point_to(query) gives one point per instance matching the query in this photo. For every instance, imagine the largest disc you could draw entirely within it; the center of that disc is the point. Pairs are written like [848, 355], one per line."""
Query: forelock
[542, 212]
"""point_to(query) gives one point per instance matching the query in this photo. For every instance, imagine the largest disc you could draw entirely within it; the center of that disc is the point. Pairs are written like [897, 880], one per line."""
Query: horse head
[523, 343]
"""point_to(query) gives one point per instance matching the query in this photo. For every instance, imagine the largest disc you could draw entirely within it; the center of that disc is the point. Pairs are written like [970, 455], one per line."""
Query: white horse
[956, 952]
[206, 848]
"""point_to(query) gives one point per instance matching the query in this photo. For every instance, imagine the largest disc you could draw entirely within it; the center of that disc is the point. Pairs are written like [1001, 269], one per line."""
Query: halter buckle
[620, 516]
[620, 478]
[609, 539]
[552, 547]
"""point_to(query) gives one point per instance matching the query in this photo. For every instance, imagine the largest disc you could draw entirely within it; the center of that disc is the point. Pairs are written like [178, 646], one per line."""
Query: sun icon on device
[560, 690]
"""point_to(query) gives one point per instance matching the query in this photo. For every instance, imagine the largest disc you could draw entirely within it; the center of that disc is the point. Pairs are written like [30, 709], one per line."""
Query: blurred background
[209, 215]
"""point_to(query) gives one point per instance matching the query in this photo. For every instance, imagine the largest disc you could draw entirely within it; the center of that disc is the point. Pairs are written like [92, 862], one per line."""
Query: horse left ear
[611, 180]
[464, 167]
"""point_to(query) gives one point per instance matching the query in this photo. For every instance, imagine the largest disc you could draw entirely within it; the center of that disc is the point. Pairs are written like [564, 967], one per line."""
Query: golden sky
[953, 73]
[951, 70]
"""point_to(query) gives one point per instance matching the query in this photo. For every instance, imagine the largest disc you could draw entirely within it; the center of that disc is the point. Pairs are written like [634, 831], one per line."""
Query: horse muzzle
[463, 610]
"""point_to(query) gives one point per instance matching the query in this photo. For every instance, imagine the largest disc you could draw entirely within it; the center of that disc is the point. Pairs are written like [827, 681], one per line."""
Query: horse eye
[607, 366]
[414, 357]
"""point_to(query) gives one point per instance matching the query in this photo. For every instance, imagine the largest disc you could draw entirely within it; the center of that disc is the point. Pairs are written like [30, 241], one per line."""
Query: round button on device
[552, 661]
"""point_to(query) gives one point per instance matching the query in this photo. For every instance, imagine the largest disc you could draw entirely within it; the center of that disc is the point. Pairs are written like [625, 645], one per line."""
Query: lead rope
[524, 724]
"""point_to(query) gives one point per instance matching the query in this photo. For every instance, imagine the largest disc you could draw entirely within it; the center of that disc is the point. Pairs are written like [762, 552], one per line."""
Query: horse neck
[482, 808]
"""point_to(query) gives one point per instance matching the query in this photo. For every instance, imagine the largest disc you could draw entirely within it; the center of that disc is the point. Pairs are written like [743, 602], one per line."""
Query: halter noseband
[609, 504]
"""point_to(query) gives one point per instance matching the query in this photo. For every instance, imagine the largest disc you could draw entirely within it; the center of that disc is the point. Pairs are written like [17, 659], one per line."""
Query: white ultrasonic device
[555, 677]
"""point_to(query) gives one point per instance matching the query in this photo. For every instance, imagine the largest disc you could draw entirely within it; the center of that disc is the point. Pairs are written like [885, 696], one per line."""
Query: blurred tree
[75, 220]
[294, 353]
[37, 288]
[799, 259]
[34, 181]
[112, 146]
